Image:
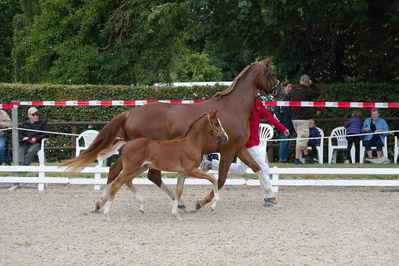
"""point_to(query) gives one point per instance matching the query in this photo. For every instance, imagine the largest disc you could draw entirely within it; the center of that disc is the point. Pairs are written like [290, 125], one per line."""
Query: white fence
[41, 179]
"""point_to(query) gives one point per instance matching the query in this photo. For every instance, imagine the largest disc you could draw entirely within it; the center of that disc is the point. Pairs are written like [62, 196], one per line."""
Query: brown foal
[182, 155]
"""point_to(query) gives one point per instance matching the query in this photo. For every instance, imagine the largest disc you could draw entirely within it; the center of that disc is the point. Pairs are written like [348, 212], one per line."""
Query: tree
[142, 42]
[8, 9]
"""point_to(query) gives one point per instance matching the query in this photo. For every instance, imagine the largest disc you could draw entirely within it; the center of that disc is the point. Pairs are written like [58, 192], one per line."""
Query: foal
[182, 155]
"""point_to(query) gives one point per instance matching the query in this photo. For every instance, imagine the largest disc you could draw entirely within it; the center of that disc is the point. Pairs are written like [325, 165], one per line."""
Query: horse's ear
[213, 113]
[268, 60]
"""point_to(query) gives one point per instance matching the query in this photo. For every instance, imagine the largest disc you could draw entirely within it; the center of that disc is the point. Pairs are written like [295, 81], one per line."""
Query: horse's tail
[104, 143]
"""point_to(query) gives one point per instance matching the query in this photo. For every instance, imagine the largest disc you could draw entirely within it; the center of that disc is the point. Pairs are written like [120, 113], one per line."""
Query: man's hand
[367, 129]
[286, 133]
[32, 140]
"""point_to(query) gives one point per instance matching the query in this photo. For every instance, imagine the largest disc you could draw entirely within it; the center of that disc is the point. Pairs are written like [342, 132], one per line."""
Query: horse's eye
[217, 124]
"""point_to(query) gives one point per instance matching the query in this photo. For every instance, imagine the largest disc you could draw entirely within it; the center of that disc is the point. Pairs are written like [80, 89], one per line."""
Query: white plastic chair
[338, 133]
[40, 153]
[396, 150]
[384, 149]
[320, 148]
[266, 132]
[88, 137]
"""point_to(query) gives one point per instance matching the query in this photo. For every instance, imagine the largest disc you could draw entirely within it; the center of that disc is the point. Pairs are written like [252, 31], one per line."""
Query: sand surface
[313, 226]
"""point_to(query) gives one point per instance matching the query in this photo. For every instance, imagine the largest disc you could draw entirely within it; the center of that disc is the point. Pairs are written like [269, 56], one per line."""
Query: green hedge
[362, 92]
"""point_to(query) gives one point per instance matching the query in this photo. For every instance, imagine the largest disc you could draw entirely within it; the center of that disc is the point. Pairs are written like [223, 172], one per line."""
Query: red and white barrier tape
[332, 104]
[143, 102]
[104, 103]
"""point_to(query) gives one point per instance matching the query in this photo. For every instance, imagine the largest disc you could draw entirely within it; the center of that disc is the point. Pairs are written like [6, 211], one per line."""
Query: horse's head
[216, 128]
[268, 81]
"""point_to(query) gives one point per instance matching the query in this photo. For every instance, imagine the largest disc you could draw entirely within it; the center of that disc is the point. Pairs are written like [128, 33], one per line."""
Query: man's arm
[43, 135]
[22, 133]
[265, 114]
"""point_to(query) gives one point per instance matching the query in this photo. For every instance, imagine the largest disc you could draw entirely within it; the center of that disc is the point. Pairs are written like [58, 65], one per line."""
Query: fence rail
[96, 180]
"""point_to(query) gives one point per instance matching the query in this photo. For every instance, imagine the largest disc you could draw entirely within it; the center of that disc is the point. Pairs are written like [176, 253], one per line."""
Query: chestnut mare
[182, 155]
[162, 121]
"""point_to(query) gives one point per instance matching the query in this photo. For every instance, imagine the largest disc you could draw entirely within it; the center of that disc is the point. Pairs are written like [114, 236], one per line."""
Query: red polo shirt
[259, 111]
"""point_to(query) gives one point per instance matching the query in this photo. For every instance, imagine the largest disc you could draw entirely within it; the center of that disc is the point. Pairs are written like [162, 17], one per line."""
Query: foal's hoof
[198, 205]
[141, 211]
[97, 208]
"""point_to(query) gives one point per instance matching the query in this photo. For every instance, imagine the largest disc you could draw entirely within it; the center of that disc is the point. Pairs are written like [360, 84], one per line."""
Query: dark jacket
[314, 133]
[354, 125]
[283, 114]
[303, 93]
[38, 125]
[397, 128]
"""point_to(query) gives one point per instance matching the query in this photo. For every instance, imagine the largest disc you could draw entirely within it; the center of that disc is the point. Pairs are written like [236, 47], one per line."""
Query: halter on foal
[182, 155]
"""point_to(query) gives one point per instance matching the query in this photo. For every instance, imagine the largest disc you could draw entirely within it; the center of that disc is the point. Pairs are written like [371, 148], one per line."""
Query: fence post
[74, 130]
[275, 178]
[42, 175]
[97, 174]
[15, 138]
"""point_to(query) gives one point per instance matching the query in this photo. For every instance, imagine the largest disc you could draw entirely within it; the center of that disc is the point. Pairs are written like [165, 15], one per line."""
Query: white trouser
[240, 168]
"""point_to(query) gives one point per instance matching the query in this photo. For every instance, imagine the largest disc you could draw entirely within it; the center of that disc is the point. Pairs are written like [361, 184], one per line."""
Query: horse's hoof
[141, 211]
[182, 207]
[198, 205]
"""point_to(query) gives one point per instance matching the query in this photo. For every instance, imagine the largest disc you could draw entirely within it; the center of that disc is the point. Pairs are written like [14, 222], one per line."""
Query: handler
[258, 111]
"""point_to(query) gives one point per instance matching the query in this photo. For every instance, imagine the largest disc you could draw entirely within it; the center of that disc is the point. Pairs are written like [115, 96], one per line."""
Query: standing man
[283, 114]
[306, 91]
[30, 141]
[252, 145]
[5, 122]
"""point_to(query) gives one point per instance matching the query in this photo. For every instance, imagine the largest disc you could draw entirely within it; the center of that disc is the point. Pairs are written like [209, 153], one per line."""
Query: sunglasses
[35, 114]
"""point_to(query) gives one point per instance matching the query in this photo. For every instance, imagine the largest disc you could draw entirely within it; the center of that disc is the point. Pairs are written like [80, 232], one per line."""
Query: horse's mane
[232, 86]
[191, 125]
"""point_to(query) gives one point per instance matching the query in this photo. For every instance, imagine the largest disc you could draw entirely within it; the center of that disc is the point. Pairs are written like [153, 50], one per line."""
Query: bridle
[214, 129]
[269, 73]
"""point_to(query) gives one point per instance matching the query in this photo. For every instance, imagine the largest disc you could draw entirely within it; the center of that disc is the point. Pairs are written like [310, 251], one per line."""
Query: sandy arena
[313, 226]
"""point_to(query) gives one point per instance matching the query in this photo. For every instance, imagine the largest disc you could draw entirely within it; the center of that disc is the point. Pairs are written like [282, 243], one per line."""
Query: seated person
[30, 141]
[374, 124]
[5, 122]
[313, 143]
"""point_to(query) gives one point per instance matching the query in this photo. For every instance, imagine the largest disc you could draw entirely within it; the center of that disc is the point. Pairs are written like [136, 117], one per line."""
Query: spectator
[374, 124]
[306, 91]
[283, 114]
[30, 141]
[258, 111]
[313, 143]
[353, 126]
[5, 122]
